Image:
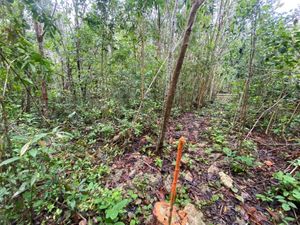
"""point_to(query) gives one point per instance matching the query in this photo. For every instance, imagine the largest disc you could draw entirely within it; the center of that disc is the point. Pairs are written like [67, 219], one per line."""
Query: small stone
[116, 138]
[245, 195]
[204, 189]
[154, 180]
[131, 174]
[117, 176]
[130, 215]
[195, 217]
[226, 180]
[215, 156]
[212, 170]
[188, 176]
[240, 221]
[138, 201]
[202, 144]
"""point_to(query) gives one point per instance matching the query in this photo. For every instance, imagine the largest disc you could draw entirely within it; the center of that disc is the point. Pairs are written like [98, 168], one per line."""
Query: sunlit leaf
[25, 148]
[10, 160]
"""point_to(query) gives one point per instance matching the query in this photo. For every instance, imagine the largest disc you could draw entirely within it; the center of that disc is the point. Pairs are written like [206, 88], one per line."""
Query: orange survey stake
[176, 175]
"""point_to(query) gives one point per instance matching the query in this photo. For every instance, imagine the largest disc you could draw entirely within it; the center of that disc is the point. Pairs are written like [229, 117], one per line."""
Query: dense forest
[98, 98]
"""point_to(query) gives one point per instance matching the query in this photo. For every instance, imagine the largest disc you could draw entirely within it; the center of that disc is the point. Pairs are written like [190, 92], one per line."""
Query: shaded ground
[200, 183]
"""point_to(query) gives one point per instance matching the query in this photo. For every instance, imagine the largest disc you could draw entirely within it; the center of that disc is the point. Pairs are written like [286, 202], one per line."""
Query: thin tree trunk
[243, 112]
[244, 105]
[176, 73]
[27, 100]
[77, 43]
[158, 51]
[27, 107]
[5, 120]
[142, 65]
[40, 39]
[5, 126]
[172, 25]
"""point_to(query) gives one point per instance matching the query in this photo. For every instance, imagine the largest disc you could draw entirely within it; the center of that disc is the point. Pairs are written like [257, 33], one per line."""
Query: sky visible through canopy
[288, 5]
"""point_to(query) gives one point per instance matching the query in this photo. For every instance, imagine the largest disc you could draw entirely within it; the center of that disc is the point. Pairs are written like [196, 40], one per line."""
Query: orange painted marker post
[176, 175]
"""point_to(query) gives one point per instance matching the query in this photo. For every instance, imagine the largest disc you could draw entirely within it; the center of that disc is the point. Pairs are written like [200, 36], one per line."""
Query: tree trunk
[172, 25]
[243, 112]
[27, 107]
[142, 66]
[40, 39]
[245, 96]
[158, 50]
[176, 73]
[5, 128]
[77, 44]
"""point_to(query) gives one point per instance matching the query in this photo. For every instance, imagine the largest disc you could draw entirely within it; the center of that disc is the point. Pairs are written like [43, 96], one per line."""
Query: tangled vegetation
[94, 95]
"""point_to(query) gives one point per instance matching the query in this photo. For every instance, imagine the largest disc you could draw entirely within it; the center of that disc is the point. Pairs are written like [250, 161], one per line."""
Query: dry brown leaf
[43, 143]
[274, 215]
[268, 163]
[255, 216]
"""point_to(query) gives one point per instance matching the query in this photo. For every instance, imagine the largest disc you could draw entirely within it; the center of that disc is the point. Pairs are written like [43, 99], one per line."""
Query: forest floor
[87, 177]
[209, 151]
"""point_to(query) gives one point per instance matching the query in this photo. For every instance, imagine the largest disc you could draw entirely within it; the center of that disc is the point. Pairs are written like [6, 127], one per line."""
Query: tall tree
[176, 73]
[245, 96]
[39, 32]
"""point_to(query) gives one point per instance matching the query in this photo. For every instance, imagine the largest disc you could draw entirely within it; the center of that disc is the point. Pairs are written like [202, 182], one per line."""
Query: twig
[150, 166]
[280, 144]
[296, 167]
[296, 217]
[262, 114]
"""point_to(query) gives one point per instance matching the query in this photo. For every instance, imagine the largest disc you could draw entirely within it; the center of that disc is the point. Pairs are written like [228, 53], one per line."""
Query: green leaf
[33, 179]
[55, 129]
[296, 194]
[113, 212]
[33, 152]
[21, 189]
[39, 137]
[132, 222]
[32, 67]
[25, 148]
[10, 160]
[286, 207]
[72, 204]
[28, 81]
[292, 205]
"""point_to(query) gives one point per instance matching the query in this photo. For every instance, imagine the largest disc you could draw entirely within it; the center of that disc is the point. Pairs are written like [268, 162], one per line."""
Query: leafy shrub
[287, 191]
[42, 181]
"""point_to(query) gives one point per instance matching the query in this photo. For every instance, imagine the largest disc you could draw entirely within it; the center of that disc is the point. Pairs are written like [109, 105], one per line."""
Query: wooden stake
[176, 175]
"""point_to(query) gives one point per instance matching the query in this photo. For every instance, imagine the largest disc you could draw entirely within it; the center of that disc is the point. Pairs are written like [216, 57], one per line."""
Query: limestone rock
[212, 170]
[195, 217]
[188, 176]
[226, 180]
